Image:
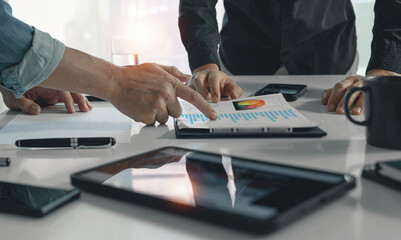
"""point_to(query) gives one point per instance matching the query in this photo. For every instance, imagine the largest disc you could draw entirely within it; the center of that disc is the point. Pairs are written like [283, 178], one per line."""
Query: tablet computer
[250, 195]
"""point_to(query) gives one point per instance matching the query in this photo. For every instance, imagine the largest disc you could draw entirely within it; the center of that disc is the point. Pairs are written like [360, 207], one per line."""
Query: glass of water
[124, 50]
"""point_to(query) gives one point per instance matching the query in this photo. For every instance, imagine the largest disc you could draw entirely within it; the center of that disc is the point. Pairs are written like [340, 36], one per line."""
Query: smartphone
[33, 200]
[291, 92]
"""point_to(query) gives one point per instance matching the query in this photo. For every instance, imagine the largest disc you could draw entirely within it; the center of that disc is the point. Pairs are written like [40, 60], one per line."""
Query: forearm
[83, 73]
[199, 31]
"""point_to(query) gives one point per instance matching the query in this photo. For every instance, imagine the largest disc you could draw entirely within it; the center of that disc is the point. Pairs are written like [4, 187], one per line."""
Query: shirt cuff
[386, 57]
[37, 65]
[201, 54]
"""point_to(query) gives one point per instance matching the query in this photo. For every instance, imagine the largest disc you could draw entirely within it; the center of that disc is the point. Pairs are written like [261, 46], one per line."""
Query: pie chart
[249, 104]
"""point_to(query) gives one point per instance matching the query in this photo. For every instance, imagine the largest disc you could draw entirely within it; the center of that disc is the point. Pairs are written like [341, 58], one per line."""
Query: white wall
[364, 24]
[78, 23]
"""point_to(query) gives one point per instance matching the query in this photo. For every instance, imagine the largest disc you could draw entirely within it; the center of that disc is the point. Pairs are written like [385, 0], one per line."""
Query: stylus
[92, 142]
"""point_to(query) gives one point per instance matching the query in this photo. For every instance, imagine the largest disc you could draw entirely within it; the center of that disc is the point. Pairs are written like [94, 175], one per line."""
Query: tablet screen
[253, 189]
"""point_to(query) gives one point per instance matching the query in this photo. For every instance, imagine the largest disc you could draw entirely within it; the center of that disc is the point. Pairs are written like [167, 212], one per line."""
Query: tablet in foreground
[249, 195]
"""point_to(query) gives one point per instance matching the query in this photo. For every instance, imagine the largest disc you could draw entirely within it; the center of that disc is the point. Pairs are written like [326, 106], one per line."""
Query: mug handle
[346, 100]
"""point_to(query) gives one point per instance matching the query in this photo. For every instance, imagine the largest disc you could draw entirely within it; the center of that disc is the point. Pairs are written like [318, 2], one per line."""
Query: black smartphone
[33, 200]
[291, 92]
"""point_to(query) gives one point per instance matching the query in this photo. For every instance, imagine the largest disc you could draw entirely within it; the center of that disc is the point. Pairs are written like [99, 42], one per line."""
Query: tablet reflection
[194, 179]
[161, 175]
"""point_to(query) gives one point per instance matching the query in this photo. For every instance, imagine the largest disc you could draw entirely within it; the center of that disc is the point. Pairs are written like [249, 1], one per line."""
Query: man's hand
[34, 98]
[213, 84]
[334, 97]
[148, 93]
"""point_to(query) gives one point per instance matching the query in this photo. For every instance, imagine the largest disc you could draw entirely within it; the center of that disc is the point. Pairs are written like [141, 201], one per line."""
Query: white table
[369, 211]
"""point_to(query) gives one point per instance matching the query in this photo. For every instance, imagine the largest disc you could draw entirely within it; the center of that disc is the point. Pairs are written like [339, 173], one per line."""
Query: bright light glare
[163, 8]
[146, 35]
[182, 191]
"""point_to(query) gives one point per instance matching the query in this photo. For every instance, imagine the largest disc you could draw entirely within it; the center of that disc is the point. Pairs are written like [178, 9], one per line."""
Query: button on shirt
[306, 36]
[27, 56]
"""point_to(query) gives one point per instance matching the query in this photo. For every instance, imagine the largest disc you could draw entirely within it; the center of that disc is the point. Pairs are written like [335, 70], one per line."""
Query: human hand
[334, 97]
[148, 93]
[212, 83]
[36, 97]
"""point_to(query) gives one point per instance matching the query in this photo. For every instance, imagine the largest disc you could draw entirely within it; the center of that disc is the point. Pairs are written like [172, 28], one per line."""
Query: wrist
[117, 74]
[209, 67]
[381, 72]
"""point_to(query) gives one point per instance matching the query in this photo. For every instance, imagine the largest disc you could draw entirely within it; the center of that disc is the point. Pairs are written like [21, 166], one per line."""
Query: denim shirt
[27, 56]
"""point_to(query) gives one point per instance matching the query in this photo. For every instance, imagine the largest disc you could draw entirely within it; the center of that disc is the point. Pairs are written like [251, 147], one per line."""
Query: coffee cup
[382, 99]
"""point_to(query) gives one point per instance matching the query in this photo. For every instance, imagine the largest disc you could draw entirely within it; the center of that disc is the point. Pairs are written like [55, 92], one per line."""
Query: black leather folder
[193, 133]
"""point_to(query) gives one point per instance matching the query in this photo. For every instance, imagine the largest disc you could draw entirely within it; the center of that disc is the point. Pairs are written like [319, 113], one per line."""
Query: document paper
[55, 122]
[268, 111]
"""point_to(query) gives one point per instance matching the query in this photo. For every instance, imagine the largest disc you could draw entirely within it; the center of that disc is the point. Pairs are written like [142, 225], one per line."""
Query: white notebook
[55, 122]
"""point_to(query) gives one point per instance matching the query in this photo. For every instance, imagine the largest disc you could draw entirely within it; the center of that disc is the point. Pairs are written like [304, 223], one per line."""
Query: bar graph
[245, 117]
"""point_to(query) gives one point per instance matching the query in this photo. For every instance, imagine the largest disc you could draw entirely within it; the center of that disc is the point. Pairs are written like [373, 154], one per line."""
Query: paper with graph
[268, 111]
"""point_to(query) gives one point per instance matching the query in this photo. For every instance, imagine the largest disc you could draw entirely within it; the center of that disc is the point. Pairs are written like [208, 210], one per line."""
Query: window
[89, 25]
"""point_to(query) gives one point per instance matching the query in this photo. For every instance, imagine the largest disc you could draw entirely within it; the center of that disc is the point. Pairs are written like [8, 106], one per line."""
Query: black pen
[91, 142]
[4, 161]
[95, 99]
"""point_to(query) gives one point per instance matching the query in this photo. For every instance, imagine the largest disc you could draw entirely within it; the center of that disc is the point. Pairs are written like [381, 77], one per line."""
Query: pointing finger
[195, 99]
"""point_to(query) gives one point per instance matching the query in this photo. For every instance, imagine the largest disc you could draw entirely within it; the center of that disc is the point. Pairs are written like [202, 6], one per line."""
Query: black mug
[382, 98]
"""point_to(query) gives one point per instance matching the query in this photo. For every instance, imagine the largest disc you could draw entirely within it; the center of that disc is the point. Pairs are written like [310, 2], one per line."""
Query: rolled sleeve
[199, 31]
[386, 56]
[38, 63]
[15, 37]
[201, 54]
[386, 43]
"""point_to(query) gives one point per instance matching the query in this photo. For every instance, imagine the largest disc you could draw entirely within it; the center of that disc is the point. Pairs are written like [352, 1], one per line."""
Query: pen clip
[93, 147]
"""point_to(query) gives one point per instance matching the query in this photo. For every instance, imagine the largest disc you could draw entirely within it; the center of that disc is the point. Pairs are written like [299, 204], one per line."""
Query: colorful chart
[273, 116]
[248, 104]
